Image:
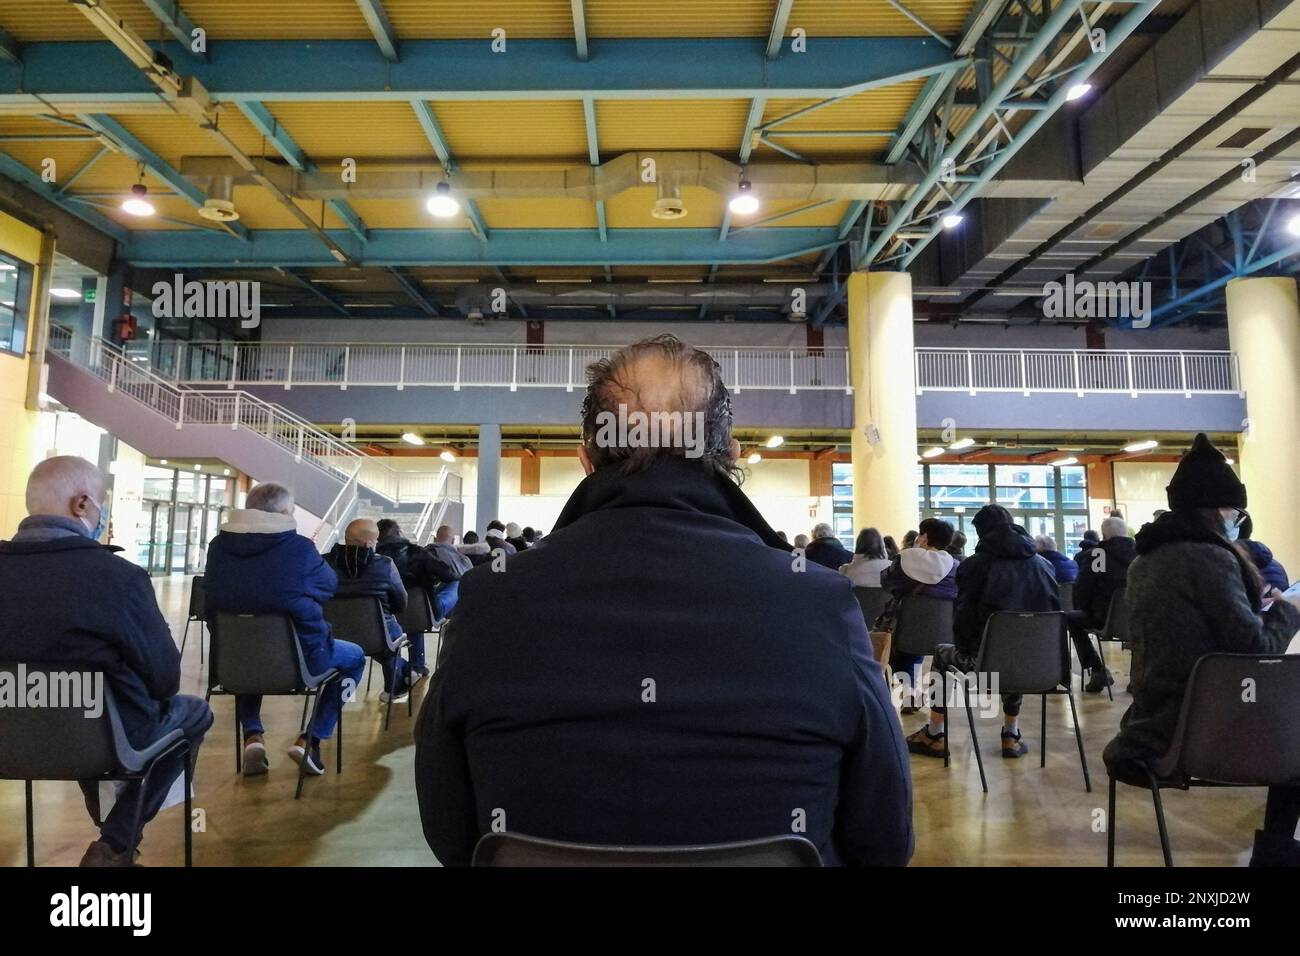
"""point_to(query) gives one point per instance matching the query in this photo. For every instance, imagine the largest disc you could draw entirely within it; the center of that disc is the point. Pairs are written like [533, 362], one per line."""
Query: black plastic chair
[418, 618]
[872, 601]
[195, 615]
[1115, 629]
[1066, 592]
[921, 623]
[260, 654]
[1215, 718]
[515, 850]
[1029, 651]
[361, 621]
[63, 743]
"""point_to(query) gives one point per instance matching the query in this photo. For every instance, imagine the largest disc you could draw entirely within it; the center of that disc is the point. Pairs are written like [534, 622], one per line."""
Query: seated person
[66, 599]
[1270, 569]
[958, 547]
[1190, 593]
[515, 535]
[1089, 541]
[1064, 569]
[825, 549]
[909, 540]
[1103, 571]
[496, 537]
[449, 567]
[1004, 574]
[476, 551]
[925, 568]
[363, 572]
[891, 547]
[258, 564]
[801, 541]
[436, 570]
[660, 691]
[868, 560]
[531, 537]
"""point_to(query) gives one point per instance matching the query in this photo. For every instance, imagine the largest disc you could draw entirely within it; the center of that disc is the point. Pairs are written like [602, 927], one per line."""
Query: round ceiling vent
[219, 210]
[669, 207]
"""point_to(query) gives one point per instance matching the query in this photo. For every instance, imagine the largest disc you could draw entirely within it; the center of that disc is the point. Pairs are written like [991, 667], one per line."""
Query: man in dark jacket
[436, 569]
[363, 572]
[1004, 574]
[1102, 572]
[66, 599]
[259, 564]
[1064, 569]
[825, 549]
[1261, 555]
[1089, 541]
[660, 692]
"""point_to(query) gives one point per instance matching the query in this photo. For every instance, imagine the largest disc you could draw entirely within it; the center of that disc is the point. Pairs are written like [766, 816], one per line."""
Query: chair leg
[1078, 738]
[975, 741]
[302, 773]
[370, 672]
[185, 634]
[947, 727]
[1101, 656]
[189, 808]
[410, 675]
[1160, 821]
[1110, 826]
[200, 645]
[1042, 743]
[338, 747]
[302, 724]
[239, 748]
[31, 824]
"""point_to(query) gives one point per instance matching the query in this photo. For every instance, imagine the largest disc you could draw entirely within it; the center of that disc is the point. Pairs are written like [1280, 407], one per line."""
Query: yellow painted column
[19, 448]
[1264, 331]
[884, 401]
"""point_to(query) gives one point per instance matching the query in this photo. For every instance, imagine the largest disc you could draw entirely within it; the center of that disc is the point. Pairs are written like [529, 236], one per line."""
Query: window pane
[1024, 475]
[1074, 476]
[1026, 497]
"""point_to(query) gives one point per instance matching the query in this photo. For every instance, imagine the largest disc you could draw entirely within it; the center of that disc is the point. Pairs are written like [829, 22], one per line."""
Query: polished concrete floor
[368, 816]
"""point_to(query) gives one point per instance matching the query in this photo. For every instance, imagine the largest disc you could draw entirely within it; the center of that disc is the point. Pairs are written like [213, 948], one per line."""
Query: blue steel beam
[1258, 265]
[776, 35]
[433, 133]
[580, 28]
[116, 133]
[175, 22]
[348, 70]
[377, 19]
[511, 247]
[593, 154]
[8, 48]
[284, 144]
[415, 293]
[83, 169]
[21, 174]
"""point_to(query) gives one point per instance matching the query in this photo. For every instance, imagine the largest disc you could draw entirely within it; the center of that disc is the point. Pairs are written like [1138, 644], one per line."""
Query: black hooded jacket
[1004, 574]
[659, 670]
[1103, 570]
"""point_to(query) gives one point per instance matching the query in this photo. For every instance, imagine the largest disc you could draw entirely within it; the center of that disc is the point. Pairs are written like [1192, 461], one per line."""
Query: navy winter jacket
[659, 670]
[70, 600]
[828, 552]
[1004, 574]
[364, 573]
[1064, 568]
[1103, 570]
[258, 563]
[1270, 568]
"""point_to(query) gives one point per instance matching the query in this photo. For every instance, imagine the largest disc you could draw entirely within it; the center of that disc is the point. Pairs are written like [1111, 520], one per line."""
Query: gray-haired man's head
[271, 497]
[1113, 528]
[66, 486]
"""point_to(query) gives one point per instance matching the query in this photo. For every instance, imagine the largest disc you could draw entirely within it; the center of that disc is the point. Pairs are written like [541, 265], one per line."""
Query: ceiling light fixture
[1062, 462]
[1078, 91]
[61, 293]
[137, 204]
[934, 452]
[744, 203]
[776, 441]
[442, 203]
[447, 455]
[1292, 226]
[952, 220]
[411, 438]
[961, 443]
[754, 459]
[1141, 445]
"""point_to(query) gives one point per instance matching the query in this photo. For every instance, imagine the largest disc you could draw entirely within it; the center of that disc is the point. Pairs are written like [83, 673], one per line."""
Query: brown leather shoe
[922, 743]
[100, 853]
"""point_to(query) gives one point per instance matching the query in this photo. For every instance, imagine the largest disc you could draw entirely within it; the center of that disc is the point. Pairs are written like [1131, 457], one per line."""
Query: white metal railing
[338, 514]
[125, 372]
[1080, 371]
[288, 364]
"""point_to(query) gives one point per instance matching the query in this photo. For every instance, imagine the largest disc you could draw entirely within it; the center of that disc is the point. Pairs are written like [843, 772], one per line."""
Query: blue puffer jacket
[258, 563]
[1270, 568]
[364, 573]
[1063, 567]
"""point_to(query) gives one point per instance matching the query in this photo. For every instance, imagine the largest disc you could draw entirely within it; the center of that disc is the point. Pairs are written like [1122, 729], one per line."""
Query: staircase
[162, 419]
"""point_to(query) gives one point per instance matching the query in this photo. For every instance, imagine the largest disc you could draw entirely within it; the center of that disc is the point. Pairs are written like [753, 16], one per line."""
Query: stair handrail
[339, 512]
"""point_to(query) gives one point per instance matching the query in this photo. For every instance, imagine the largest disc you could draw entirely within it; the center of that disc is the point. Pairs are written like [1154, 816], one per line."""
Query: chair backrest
[512, 849]
[1240, 721]
[1066, 592]
[1028, 650]
[418, 616]
[1116, 628]
[256, 654]
[922, 622]
[196, 598]
[359, 620]
[67, 735]
[872, 601]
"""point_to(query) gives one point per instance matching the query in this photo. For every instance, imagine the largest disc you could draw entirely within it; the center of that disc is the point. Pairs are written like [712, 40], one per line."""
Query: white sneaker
[255, 759]
[399, 698]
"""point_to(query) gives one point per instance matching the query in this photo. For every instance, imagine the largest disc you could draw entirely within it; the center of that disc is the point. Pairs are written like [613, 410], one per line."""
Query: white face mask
[101, 523]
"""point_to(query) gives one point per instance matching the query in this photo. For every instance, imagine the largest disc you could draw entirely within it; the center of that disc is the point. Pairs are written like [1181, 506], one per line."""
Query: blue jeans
[191, 716]
[444, 599]
[350, 661]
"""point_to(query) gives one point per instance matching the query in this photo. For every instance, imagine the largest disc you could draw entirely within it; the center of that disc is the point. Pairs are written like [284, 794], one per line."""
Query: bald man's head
[66, 486]
[672, 384]
[362, 532]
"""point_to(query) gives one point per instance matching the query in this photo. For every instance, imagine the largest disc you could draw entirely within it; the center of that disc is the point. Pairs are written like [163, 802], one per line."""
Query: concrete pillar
[884, 401]
[489, 475]
[1264, 331]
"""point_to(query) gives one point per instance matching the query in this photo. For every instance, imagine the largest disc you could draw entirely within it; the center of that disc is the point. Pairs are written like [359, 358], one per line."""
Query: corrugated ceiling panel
[538, 213]
[828, 215]
[334, 130]
[837, 149]
[174, 136]
[883, 108]
[402, 214]
[283, 19]
[519, 18]
[625, 125]
[504, 128]
[876, 17]
[31, 20]
[679, 18]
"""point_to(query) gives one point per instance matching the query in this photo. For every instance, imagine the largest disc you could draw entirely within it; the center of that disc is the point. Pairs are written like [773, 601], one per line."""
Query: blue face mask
[1230, 528]
[101, 525]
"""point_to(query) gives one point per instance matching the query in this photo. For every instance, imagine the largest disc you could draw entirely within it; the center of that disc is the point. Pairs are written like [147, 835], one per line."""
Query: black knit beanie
[1204, 479]
[990, 517]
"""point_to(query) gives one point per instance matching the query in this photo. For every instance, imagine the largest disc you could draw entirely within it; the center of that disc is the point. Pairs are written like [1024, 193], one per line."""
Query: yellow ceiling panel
[402, 214]
[281, 20]
[335, 130]
[883, 108]
[679, 18]
[506, 128]
[625, 125]
[67, 155]
[538, 213]
[828, 215]
[838, 149]
[173, 136]
[519, 18]
[829, 18]
[630, 209]
[32, 20]
[114, 173]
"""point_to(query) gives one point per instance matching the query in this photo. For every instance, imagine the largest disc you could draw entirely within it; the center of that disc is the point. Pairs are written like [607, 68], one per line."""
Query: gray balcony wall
[1051, 411]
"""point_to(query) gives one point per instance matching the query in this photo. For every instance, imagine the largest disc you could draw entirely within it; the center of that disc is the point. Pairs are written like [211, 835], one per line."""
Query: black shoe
[309, 757]
[1099, 680]
[1274, 849]
[1012, 746]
